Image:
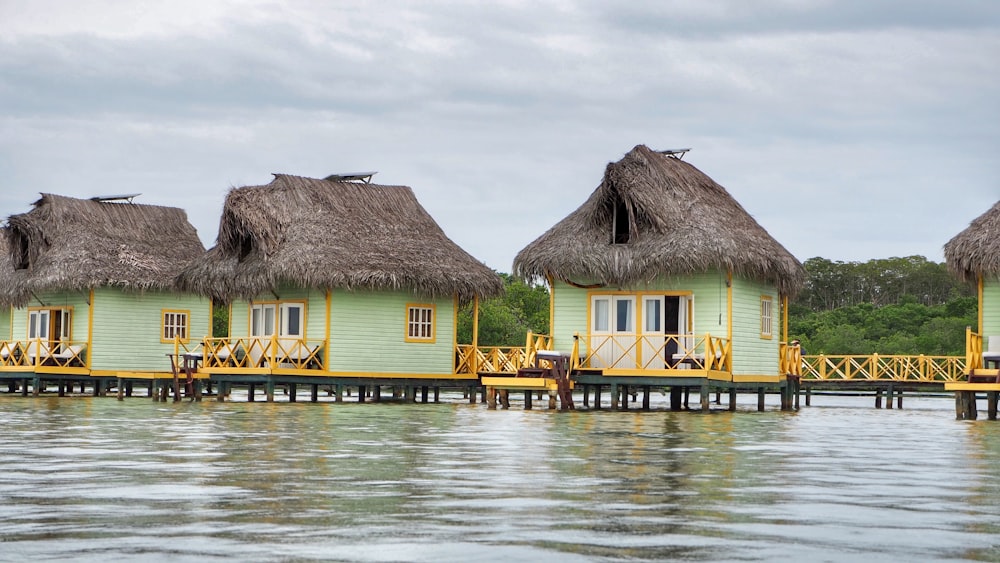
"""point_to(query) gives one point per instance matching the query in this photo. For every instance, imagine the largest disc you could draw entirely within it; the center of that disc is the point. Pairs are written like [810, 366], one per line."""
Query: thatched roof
[976, 250]
[328, 234]
[70, 244]
[10, 293]
[680, 222]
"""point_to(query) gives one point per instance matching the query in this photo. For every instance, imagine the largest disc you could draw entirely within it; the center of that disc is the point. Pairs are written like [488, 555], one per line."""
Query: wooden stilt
[552, 401]
[338, 393]
[878, 398]
[732, 399]
[597, 397]
[760, 399]
[314, 396]
[705, 397]
[128, 388]
[527, 400]
[362, 390]
[645, 397]
[437, 394]
[889, 392]
[808, 396]
[687, 397]
[991, 405]
[491, 398]
[970, 407]
[899, 399]
[269, 390]
[376, 391]
[624, 399]
[121, 390]
[615, 396]
[251, 392]
[676, 397]
[424, 393]
[586, 395]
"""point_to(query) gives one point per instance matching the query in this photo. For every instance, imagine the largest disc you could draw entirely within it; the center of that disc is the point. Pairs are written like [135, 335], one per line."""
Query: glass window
[623, 315]
[420, 323]
[766, 316]
[175, 325]
[653, 315]
[600, 313]
[291, 319]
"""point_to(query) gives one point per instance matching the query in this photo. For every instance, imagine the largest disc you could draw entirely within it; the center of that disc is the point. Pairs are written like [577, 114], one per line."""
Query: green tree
[506, 320]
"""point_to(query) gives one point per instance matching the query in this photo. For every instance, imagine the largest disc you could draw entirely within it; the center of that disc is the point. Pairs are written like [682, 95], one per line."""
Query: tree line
[907, 305]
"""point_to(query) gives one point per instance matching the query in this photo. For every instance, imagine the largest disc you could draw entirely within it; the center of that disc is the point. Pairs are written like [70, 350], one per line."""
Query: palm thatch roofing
[327, 234]
[975, 251]
[70, 244]
[9, 291]
[679, 222]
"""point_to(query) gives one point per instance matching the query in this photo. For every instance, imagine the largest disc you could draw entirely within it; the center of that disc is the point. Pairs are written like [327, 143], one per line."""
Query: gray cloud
[849, 131]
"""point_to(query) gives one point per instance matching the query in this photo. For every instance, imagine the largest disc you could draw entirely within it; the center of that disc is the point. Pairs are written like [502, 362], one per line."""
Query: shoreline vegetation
[906, 306]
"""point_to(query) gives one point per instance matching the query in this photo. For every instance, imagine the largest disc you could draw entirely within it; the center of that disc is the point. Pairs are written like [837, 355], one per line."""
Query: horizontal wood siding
[5, 326]
[991, 308]
[571, 303]
[75, 300]
[753, 355]
[127, 328]
[368, 331]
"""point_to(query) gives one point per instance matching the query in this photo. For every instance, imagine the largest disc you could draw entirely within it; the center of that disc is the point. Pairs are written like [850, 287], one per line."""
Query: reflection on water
[97, 479]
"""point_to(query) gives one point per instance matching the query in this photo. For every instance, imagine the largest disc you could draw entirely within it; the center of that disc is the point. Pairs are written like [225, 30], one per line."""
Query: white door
[612, 333]
[654, 332]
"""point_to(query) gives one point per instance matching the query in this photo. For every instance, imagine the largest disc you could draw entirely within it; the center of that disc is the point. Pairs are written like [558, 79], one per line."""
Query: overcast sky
[849, 129]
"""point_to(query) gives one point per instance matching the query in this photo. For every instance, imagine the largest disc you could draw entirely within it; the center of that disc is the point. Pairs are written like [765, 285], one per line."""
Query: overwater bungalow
[973, 255]
[91, 283]
[335, 280]
[662, 279]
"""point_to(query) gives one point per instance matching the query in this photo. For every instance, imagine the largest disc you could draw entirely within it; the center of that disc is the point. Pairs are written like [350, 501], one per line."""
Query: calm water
[101, 480]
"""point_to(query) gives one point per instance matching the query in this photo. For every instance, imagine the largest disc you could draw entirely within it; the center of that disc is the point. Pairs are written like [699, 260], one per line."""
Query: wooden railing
[43, 353]
[499, 359]
[789, 359]
[255, 353]
[654, 352]
[973, 349]
[876, 367]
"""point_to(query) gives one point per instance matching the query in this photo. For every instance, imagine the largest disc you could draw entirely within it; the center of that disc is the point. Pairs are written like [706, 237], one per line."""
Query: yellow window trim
[406, 325]
[45, 308]
[187, 324]
[770, 301]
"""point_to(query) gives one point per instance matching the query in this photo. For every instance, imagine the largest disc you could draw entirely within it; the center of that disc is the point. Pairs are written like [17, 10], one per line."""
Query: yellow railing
[499, 359]
[43, 353]
[973, 349]
[875, 367]
[256, 353]
[655, 352]
[790, 359]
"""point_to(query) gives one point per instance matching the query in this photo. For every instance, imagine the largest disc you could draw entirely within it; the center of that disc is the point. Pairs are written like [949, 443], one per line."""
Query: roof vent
[365, 177]
[676, 153]
[114, 198]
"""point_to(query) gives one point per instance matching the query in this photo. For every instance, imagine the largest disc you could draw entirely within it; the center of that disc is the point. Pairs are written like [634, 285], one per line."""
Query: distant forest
[889, 305]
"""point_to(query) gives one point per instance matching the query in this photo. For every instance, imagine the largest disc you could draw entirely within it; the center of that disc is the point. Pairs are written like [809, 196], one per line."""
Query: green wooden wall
[991, 307]
[367, 330]
[752, 354]
[6, 330]
[127, 328]
[126, 325]
[708, 290]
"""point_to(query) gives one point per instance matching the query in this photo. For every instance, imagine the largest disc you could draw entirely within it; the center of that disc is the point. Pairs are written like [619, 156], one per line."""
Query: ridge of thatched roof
[70, 244]
[976, 250]
[329, 234]
[680, 222]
